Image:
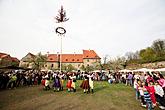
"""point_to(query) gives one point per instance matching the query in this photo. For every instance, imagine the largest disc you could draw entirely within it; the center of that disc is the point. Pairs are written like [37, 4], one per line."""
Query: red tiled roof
[8, 57]
[52, 58]
[72, 58]
[90, 54]
[3, 55]
[66, 58]
[14, 59]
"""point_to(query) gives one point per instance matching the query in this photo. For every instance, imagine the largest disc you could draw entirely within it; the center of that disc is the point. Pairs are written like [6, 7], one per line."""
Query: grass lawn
[105, 97]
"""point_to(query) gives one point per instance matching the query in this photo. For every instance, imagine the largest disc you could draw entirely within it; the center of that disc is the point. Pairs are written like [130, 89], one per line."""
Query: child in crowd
[143, 103]
[136, 86]
[151, 91]
[147, 97]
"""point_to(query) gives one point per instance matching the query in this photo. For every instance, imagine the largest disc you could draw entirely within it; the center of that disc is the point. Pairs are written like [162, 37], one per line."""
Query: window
[87, 56]
[87, 64]
[51, 58]
[52, 65]
[72, 59]
[87, 60]
[45, 65]
[66, 59]
[77, 59]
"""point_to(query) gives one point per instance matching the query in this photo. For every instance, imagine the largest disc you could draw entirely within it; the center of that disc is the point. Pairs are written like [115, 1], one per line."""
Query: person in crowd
[142, 77]
[147, 97]
[149, 78]
[69, 83]
[159, 94]
[85, 84]
[73, 79]
[136, 86]
[12, 81]
[18, 81]
[161, 81]
[61, 76]
[56, 84]
[151, 91]
[143, 103]
[47, 83]
[130, 79]
[90, 76]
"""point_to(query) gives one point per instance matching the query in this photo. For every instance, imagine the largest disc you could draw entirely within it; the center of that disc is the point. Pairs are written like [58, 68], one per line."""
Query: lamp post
[61, 17]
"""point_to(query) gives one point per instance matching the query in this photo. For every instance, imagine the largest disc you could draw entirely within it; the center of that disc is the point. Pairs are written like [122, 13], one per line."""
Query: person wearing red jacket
[151, 90]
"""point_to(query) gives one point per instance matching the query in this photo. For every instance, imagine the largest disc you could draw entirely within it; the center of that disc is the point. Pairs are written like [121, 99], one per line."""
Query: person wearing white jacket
[159, 94]
[90, 76]
[47, 83]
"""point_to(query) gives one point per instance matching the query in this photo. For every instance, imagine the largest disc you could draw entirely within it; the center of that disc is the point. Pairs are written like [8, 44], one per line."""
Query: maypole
[61, 17]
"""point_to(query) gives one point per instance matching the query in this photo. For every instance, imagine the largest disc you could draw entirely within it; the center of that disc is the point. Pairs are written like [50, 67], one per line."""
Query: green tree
[83, 68]
[89, 68]
[70, 68]
[147, 55]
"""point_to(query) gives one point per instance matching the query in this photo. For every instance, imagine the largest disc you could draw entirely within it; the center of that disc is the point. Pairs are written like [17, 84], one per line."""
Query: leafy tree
[70, 68]
[147, 55]
[96, 66]
[159, 47]
[89, 68]
[83, 68]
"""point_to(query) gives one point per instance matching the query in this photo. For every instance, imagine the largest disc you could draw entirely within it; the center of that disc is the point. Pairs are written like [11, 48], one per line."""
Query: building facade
[88, 58]
[24, 62]
[7, 60]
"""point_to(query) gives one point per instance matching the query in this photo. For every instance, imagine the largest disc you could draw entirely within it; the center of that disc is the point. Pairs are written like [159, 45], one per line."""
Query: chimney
[47, 54]
[58, 57]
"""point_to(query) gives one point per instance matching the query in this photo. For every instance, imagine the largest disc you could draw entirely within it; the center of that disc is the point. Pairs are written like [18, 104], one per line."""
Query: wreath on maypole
[60, 30]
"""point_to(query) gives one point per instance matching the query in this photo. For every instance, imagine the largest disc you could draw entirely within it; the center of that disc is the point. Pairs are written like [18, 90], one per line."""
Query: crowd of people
[149, 87]
[50, 79]
[58, 81]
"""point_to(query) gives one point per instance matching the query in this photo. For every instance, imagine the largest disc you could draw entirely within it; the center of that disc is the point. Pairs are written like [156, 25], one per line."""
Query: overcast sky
[111, 27]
